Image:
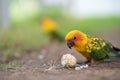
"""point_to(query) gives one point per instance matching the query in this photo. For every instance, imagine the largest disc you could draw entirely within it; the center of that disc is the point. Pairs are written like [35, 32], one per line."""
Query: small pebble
[40, 57]
[86, 66]
[77, 68]
[81, 67]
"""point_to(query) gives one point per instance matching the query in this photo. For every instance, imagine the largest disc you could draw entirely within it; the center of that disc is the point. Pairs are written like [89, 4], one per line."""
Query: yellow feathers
[80, 41]
[92, 48]
[50, 28]
[48, 25]
[73, 33]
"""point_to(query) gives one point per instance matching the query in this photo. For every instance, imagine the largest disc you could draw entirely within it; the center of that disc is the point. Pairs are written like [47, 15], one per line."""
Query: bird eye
[74, 38]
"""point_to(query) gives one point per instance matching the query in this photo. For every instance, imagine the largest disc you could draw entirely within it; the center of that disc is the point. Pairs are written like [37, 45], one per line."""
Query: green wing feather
[100, 49]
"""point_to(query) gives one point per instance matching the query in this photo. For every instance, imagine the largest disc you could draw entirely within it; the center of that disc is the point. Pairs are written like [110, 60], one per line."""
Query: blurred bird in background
[50, 27]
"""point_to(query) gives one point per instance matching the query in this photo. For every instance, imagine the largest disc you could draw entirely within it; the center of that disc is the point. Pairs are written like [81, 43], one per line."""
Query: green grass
[8, 65]
[23, 37]
[18, 40]
[92, 25]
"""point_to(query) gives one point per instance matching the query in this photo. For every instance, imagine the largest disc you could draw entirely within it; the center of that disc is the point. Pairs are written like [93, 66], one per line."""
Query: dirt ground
[44, 64]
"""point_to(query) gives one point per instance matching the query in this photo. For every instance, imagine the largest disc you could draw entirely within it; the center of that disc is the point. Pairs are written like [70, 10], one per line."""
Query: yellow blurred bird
[92, 48]
[51, 28]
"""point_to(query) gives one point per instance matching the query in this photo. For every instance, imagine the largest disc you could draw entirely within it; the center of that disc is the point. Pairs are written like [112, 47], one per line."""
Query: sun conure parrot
[50, 27]
[92, 48]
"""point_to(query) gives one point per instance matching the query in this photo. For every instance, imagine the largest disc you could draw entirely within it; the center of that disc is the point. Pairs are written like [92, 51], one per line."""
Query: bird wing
[98, 48]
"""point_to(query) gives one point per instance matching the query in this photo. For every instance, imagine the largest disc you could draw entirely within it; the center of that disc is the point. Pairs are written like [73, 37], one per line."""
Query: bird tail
[114, 54]
[117, 57]
[116, 49]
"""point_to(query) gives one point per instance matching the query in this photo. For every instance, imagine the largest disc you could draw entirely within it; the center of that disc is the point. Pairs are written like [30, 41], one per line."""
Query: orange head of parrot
[48, 24]
[76, 38]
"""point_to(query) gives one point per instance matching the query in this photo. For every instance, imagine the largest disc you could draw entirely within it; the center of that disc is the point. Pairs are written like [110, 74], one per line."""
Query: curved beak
[70, 44]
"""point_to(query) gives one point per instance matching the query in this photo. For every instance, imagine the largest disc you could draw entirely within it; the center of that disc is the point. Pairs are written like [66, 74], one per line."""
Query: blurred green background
[20, 21]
